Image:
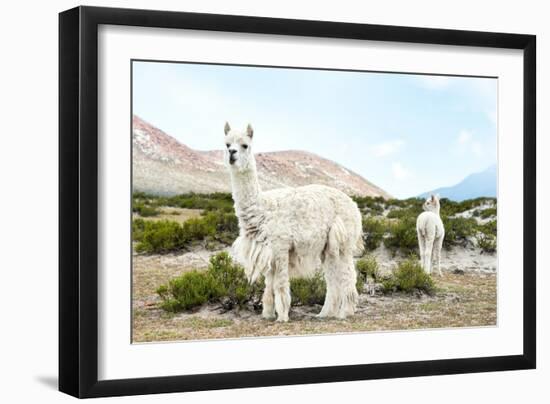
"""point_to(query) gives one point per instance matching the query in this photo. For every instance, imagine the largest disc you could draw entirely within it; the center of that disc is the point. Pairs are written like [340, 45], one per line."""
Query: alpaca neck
[246, 191]
[433, 210]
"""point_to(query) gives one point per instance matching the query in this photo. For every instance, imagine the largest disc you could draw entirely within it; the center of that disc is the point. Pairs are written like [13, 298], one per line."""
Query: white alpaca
[290, 232]
[431, 233]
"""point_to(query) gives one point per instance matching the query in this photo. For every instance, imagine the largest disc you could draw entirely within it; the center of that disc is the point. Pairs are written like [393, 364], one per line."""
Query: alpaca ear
[226, 128]
[433, 198]
[249, 131]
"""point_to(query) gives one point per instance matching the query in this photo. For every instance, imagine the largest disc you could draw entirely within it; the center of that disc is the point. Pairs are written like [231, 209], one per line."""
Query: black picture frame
[78, 201]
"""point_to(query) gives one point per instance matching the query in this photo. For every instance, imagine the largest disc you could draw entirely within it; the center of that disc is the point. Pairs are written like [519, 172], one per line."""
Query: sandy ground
[464, 298]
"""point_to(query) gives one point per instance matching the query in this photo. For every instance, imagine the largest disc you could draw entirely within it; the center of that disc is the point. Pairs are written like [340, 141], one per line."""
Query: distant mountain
[164, 166]
[473, 186]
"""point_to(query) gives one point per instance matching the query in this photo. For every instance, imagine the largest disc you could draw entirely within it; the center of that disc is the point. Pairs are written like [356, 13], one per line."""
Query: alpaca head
[237, 154]
[432, 204]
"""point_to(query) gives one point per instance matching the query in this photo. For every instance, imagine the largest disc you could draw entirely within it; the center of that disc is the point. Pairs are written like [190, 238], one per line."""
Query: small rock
[458, 272]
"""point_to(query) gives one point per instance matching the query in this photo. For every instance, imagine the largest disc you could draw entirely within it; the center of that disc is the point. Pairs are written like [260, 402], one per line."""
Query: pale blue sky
[405, 133]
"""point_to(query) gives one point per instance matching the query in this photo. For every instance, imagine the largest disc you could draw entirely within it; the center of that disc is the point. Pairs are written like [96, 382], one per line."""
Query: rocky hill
[162, 165]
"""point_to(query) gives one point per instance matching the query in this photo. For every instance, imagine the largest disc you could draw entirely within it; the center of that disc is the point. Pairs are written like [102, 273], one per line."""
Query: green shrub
[487, 243]
[401, 213]
[450, 208]
[163, 236]
[413, 203]
[158, 236]
[138, 228]
[486, 213]
[230, 280]
[457, 230]
[489, 228]
[368, 201]
[402, 236]
[373, 232]
[408, 277]
[367, 267]
[144, 210]
[189, 290]
[197, 229]
[225, 282]
[308, 291]
[208, 202]
[223, 221]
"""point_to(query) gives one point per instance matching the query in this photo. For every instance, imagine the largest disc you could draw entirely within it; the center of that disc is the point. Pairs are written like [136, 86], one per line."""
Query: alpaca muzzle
[232, 157]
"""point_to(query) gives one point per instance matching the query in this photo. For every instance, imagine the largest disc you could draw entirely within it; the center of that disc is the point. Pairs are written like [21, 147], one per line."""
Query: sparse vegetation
[402, 213]
[208, 202]
[489, 228]
[144, 210]
[408, 277]
[225, 282]
[370, 205]
[487, 243]
[165, 235]
[402, 236]
[218, 226]
[487, 213]
[458, 230]
[159, 236]
[208, 221]
[189, 290]
[373, 232]
[367, 267]
[451, 208]
[230, 280]
[308, 291]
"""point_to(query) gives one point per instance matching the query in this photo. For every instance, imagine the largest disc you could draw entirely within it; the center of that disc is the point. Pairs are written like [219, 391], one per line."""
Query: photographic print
[280, 201]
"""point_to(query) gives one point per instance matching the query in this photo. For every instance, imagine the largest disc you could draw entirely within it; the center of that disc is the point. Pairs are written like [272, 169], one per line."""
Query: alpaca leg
[281, 288]
[268, 298]
[330, 306]
[437, 253]
[428, 248]
[347, 286]
[422, 248]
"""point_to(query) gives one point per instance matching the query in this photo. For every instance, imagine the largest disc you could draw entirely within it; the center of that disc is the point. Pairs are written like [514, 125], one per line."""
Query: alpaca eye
[227, 144]
[245, 146]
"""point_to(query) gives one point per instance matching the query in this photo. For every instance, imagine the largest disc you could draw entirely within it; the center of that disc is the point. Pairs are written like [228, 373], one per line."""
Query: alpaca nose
[232, 152]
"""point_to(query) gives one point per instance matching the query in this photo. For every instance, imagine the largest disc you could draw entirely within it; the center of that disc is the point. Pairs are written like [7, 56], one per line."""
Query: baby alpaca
[290, 232]
[431, 233]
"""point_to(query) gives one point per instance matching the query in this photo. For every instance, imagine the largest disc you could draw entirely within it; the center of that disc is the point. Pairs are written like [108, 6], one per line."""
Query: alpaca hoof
[282, 319]
[269, 316]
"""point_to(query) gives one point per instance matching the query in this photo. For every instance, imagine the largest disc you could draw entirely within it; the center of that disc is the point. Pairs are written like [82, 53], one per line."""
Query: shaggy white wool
[431, 232]
[292, 232]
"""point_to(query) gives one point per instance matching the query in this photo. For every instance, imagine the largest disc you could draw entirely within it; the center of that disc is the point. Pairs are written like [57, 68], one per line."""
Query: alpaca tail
[340, 238]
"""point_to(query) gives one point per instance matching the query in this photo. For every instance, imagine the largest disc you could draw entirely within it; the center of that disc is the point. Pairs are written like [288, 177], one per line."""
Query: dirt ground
[179, 215]
[462, 299]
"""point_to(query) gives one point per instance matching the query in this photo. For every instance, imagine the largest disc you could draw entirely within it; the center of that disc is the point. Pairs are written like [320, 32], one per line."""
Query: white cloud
[387, 148]
[464, 137]
[400, 172]
[468, 143]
